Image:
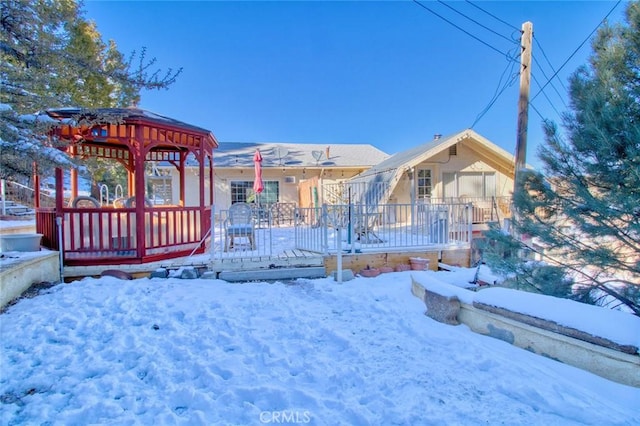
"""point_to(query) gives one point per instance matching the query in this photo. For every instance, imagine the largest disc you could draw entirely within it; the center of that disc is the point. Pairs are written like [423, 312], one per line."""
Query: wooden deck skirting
[288, 258]
[358, 261]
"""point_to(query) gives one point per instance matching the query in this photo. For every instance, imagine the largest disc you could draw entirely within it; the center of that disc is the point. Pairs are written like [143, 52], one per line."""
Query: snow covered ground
[8, 224]
[106, 351]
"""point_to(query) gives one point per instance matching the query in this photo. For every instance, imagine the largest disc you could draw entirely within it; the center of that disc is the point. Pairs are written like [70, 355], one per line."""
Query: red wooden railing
[46, 225]
[99, 236]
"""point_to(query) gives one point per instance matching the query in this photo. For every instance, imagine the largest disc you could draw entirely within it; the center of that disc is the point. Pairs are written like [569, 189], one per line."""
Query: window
[469, 184]
[424, 184]
[242, 192]
[160, 190]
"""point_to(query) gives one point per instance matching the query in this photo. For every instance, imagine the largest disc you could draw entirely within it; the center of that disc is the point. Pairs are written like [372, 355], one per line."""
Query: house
[291, 173]
[463, 167]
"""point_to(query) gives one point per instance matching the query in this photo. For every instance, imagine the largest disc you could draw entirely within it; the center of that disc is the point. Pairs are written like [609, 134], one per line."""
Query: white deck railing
[387, 228]
[265, 237]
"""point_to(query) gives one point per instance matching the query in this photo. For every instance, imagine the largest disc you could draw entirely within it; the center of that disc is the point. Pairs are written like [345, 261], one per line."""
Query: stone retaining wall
[17, 278]
[619, 363]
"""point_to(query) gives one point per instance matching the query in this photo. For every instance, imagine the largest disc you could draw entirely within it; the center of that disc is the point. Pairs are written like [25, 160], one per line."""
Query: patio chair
[364, 221]
[118, 203]
[261, 215]
[84, 202]
[131, 202]
[239, 224]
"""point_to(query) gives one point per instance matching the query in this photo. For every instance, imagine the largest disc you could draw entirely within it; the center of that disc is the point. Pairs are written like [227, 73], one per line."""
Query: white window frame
[488, 184]
[424, 190]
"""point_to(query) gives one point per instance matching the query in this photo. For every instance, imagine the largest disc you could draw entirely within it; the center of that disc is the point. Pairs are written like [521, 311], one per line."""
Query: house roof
[389, 171]
[238, 154]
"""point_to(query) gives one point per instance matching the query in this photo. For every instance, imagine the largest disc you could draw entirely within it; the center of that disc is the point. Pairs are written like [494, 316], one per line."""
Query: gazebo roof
[118, 124]
[128, 115]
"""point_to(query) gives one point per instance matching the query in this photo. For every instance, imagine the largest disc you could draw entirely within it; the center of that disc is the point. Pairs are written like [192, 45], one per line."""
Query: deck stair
[12, 208]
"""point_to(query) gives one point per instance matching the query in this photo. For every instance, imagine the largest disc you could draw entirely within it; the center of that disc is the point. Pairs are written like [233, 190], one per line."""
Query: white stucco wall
[288, 192]
[192, 194]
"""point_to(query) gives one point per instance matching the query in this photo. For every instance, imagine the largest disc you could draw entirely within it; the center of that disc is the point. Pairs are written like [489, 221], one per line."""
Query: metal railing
[273, 229]
[25, 195]
[433, 225]
[391, 227]
[258, 242]
[485, 209]
[354, 192]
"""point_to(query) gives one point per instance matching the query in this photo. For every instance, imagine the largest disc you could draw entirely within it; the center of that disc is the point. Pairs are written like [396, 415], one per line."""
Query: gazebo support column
[183, 176]
[36, 186]
[211, 183]
[131, 177]
[59, 191]
[74, 183]
[139, 192]
[201, 178]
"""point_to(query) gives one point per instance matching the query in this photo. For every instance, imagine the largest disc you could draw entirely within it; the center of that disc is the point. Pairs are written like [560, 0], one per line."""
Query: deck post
[339, 255]
[470, 222]
[325, 228]
[213, 233]
[4, 197]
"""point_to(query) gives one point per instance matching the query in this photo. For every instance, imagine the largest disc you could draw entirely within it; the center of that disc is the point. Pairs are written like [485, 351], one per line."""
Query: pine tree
[584, 208]
[51, 57]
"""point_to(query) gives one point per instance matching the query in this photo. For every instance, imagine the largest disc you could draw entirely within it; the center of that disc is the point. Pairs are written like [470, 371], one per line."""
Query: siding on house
[457, 164]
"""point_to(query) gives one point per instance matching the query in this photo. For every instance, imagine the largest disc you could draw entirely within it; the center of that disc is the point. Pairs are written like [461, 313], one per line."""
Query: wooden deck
[286, 259]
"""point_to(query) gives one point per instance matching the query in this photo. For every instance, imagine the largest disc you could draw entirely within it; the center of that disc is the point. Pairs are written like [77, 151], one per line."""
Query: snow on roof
[126, 114]
[238, 154]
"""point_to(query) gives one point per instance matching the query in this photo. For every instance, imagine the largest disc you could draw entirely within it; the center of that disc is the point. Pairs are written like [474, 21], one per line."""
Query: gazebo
[134, 228]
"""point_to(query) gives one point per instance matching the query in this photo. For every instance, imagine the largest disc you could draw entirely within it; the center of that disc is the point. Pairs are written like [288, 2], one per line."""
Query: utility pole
[523, 102]
[523, 112]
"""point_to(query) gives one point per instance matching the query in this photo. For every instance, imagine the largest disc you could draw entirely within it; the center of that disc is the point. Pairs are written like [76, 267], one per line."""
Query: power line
[548, 61]
[495, 98]
[547, 97]
[498, 91]
[493, 16]
[537, 112]
[475, 22]
[461, 29]
[552, 85]
[576, 50]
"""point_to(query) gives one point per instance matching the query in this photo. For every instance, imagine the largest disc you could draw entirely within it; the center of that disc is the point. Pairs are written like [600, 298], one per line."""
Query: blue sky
[391, 74]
